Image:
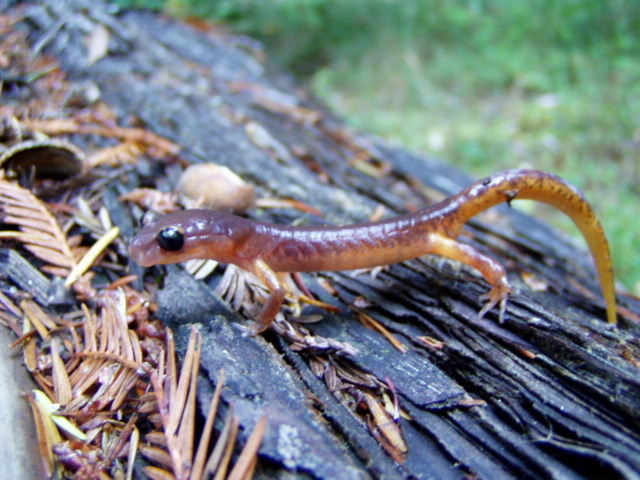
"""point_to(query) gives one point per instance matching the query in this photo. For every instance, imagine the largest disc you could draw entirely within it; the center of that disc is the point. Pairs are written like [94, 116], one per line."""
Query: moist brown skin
[264, 248]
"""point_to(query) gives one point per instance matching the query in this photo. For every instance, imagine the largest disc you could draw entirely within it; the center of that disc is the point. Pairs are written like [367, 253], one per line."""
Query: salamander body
[266, 248]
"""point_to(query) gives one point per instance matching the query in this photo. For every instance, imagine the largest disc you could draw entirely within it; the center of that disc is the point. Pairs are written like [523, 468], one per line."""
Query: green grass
[485, 84]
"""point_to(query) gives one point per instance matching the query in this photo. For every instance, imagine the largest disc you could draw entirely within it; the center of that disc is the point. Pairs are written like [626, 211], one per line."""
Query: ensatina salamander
[266, 248]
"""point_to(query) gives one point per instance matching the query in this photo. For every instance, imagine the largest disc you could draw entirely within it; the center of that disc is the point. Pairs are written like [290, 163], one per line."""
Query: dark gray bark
[569, 408]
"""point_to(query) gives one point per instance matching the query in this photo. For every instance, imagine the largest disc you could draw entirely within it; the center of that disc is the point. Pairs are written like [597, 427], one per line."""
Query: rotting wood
[561, 390]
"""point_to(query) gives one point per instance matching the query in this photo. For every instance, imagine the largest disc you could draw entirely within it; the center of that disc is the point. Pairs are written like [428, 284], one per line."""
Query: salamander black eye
[171, 238]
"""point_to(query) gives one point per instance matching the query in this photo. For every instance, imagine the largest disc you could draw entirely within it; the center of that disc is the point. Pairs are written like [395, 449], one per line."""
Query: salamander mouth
[144, 249]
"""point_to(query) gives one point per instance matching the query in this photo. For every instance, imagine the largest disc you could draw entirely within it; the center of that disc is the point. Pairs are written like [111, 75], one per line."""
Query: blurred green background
[485, 84]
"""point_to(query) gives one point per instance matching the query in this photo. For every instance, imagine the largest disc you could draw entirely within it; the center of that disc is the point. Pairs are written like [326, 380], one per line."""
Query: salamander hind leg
[490, 269]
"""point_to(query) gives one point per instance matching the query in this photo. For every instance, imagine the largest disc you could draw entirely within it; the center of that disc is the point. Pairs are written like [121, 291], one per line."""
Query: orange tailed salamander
[265, 248]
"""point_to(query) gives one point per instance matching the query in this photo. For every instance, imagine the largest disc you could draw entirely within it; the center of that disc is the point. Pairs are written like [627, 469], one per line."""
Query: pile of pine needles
[111, 395]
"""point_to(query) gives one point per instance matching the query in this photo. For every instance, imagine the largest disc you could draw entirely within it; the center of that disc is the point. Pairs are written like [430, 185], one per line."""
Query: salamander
[265, 248]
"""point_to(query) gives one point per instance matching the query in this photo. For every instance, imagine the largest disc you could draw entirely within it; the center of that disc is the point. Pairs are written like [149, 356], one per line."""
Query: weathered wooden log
[553, 392]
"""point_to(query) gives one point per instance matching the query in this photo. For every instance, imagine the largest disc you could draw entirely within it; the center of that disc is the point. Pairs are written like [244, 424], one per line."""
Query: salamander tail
[553, 190]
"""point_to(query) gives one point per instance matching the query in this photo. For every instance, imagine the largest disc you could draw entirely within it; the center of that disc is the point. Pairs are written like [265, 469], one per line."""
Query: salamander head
[182, 236]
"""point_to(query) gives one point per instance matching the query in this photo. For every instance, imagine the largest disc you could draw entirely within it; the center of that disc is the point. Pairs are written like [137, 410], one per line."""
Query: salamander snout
[157, 241]
[143, 248]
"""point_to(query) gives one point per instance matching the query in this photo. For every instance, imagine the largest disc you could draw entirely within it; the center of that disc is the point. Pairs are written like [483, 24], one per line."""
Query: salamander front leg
[273, 304]
[490, 269]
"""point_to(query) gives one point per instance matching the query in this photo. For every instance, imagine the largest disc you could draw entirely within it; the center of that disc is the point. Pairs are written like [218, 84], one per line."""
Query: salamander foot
[497, 295]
